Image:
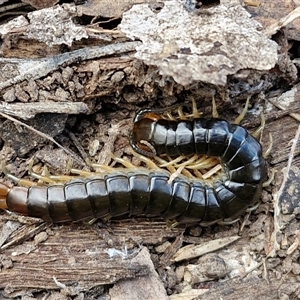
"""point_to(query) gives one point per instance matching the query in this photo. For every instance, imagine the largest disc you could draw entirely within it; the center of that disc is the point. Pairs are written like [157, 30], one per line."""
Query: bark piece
[213, 44]
[289, 199]
[16, 70]
[192, 251]
[108, 8]
[46, 25]
[41, 3]
[147, 287]
[24, 140]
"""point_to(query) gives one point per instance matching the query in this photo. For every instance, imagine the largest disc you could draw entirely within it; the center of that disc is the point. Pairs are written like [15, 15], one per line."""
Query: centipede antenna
[146, 160]
[215, 113]
[241, 116]
[269, 149]
[257, 132]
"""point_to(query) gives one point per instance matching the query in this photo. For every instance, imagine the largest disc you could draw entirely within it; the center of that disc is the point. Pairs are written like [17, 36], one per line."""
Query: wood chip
[139, 287]
[192, 251]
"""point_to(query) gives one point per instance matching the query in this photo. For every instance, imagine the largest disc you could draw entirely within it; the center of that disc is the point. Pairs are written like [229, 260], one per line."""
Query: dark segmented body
[238, 151]
[133, 193]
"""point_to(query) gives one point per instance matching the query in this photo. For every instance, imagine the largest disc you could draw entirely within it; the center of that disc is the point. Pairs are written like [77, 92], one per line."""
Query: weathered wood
[79, 254]
[249, 289]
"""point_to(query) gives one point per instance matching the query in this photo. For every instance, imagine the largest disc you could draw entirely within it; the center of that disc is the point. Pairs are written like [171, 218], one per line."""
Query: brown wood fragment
[78, 253]
[253, 288]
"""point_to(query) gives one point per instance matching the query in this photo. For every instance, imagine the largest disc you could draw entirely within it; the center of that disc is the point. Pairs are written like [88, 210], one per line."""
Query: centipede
[148, 191]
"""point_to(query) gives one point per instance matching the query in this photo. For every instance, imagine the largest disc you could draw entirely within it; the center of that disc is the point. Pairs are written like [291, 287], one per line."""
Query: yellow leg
[172, 223]
[243, 113]
[166, 164]
[197, 174]
[169, 116]
[253, 207]
[215, 113]
[271, 178]
[268, 150]
[188, 162]
[196, 113]
[229, 222]
[47, 177]
[125, 163]
[181, 115]
[212, 171]
[204, 163]
[188, 174]
[172, 169]
[171, 161]
[103, 168]
[262, 125]
[24, 182]
[175, 174]
[144, 159]
[183, 164]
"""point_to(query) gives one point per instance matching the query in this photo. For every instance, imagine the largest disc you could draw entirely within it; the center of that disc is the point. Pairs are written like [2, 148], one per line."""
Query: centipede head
[142, 133]
[140, 137]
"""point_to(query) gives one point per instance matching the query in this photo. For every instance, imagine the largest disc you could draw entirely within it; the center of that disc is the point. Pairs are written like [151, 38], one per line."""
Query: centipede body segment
[139, 193]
